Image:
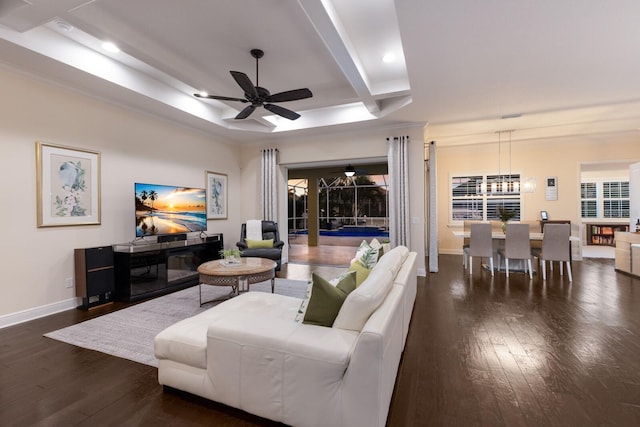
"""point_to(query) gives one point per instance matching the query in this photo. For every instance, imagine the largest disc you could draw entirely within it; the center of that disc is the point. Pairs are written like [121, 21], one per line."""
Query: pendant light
[349, 171]
[503, 183]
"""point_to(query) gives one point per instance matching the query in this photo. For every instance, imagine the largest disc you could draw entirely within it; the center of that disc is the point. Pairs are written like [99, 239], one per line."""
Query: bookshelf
[604, 234]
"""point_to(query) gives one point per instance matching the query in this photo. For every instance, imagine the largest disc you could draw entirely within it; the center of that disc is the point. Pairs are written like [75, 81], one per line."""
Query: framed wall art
[68, 185]
[216, 195]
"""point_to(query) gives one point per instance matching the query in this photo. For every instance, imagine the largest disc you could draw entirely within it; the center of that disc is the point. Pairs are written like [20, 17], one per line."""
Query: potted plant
[231, 256]
[505, 215]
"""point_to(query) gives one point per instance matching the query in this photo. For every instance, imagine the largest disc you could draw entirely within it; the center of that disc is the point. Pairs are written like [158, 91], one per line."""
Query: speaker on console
[172, 238]
[94, 275]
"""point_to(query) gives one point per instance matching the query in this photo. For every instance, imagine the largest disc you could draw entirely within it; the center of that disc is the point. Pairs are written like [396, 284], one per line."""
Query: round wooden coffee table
[239, 276]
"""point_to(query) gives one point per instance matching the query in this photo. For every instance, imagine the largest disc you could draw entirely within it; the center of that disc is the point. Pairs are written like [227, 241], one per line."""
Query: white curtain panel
[269, 184]
[398, 158]
[433, 211]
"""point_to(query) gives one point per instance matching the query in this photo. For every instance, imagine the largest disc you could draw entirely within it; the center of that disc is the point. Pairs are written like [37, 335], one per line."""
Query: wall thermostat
[552, 188]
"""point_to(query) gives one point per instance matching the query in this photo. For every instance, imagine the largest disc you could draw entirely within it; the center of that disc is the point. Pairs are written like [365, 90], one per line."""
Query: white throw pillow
[302, 310]
[366, 255]
[364, 300]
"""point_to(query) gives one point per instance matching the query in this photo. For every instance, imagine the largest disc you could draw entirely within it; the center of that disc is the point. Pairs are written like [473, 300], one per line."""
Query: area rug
[129, 333]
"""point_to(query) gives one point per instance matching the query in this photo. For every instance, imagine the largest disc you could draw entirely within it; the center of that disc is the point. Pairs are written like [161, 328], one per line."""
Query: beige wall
[134, 148]
[561, 157]
[338, 148]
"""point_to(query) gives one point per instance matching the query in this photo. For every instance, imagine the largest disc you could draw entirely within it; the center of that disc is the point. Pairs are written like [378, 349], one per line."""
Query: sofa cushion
[325, 300]
[186, 341]
[393, 260]
[363, 301]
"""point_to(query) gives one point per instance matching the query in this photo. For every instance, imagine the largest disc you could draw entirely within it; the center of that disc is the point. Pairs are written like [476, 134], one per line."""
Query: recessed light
[388, 57]
[203, 94]
[64, 25]
[110, 47]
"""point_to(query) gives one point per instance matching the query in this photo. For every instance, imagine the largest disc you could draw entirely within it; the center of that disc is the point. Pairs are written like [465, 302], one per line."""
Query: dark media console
[146, 270]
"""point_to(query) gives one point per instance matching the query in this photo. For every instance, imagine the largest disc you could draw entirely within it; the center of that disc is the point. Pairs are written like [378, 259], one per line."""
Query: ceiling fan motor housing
[263, 94]
[257, 53]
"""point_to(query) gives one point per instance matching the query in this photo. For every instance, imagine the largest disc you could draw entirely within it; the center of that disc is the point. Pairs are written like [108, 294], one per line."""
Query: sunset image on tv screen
[165, 209]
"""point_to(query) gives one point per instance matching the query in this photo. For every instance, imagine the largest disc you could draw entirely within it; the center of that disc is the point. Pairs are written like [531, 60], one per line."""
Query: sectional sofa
[251, 353]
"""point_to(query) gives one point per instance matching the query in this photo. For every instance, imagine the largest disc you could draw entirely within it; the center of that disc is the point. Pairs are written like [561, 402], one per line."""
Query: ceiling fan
[259, 96]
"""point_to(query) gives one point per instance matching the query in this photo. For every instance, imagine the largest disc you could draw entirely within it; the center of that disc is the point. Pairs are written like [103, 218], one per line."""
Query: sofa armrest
[241, 245]
[278, 244]
[407, 277]
[370, 378]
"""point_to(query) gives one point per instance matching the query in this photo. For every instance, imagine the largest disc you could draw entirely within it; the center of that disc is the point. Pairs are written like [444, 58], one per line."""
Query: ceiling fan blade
[220, 98]
[287, 114]
[290, 95]
[246, 112]
[245, 83]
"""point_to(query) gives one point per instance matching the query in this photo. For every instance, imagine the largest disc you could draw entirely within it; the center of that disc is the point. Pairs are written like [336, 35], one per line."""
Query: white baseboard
[37, 312]
[450, 251]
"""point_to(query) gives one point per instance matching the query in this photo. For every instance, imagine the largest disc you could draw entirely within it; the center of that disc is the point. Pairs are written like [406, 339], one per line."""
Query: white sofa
[250, 353]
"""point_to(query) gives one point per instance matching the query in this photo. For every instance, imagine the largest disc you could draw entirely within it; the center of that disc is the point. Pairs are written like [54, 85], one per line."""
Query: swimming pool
[351, 231]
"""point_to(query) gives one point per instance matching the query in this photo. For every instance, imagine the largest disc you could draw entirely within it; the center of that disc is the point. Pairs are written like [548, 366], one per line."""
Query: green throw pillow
[259, 244]
[361, 271]
[326, 299]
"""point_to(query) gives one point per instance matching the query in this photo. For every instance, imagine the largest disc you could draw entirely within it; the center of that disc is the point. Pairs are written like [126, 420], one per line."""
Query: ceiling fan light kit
[259, 96]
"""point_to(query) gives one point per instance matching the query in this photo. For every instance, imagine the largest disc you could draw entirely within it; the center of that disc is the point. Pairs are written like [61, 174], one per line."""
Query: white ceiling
[466, 68]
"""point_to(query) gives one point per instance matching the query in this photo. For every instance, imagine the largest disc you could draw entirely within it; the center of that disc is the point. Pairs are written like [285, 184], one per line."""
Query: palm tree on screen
[153, 196]
[144, 196]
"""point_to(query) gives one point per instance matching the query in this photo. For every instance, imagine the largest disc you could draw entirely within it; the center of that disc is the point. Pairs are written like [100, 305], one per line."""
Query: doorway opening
[604, 206]
[329, 213]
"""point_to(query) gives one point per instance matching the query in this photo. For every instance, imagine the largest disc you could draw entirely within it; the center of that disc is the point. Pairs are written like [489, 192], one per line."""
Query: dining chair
[556, 247]
[466, 226]
[480, 244]
[517, 245]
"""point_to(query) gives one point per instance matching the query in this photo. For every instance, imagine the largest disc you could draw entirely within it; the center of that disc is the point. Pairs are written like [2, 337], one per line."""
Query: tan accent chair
[556, 247]
[517, 245]
[480, 244]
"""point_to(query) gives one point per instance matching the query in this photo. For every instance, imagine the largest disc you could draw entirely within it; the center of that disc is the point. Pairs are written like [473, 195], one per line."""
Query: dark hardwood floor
[483, 351]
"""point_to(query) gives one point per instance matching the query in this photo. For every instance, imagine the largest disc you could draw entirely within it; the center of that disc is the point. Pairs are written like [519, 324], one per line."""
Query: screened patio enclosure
[347, 206]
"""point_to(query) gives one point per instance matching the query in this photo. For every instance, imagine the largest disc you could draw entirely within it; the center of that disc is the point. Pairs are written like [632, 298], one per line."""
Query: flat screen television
[166, 209]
